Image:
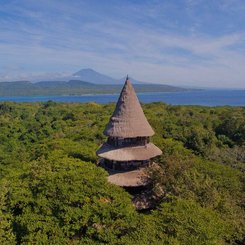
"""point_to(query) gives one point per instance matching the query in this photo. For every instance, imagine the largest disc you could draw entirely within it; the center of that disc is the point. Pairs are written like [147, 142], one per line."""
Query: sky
[177, 42]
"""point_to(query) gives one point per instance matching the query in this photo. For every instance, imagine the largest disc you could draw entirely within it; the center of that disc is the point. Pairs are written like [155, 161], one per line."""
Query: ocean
[197, 97]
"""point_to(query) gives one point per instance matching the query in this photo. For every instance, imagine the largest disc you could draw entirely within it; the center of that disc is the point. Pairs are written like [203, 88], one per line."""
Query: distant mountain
[74, 87]
[15, 84]
[85, 81]
[50, 83]
[78, 83]
[85, 75]
[63, 83]
[90, 75]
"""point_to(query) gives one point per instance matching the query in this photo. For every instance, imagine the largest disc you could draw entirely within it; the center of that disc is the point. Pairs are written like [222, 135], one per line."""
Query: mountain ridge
[85, 81]
[86, 75]
[75, 87]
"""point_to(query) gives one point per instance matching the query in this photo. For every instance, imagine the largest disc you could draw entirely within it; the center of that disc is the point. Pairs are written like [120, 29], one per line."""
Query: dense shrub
[52, 192]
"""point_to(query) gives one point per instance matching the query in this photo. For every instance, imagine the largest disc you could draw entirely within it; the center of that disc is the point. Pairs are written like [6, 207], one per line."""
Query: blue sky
[179, 42]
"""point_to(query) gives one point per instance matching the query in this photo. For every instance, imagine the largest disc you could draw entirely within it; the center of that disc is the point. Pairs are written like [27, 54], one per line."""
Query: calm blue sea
[202, 97]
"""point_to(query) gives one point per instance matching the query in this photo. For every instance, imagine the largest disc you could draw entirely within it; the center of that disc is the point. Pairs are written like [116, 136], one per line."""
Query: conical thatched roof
[128, 119]
[131, 153]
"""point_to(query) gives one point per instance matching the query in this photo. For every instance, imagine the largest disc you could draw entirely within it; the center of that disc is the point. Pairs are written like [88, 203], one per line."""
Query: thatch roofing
[132, 178]
[128, 119]
[143, 152]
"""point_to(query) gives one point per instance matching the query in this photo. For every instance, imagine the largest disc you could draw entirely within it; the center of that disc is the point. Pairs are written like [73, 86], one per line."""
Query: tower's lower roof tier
[133, 153]
[133, 178]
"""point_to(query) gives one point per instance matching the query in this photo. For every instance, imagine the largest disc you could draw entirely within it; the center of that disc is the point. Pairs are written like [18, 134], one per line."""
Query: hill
[74, 87]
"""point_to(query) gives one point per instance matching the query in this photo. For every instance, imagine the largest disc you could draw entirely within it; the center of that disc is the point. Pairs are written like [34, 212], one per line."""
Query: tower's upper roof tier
[128, 119]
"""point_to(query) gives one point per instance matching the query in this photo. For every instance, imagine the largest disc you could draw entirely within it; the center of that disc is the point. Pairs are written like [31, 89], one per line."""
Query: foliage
[189, 223]
[52, 192]
[61, 199]
[6, 219]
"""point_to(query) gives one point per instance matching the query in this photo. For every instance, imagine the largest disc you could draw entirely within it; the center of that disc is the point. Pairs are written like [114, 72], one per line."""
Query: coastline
[222, 97]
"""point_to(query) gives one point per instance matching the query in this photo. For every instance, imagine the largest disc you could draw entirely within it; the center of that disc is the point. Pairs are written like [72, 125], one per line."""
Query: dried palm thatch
[128, 119]
[132, 178]
[131, 153]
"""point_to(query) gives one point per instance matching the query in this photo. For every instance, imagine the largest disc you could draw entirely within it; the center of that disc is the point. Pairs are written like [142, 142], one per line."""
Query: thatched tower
[128, 149]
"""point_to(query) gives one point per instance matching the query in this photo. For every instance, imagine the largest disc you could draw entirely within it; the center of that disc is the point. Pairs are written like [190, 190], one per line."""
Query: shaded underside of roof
[128, 119]
[132, 153]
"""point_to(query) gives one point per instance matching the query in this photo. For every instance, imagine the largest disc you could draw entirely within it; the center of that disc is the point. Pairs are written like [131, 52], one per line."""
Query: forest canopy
[52, 192]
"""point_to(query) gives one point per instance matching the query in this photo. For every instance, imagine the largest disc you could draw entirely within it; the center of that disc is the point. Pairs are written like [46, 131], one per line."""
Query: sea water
[197, 97]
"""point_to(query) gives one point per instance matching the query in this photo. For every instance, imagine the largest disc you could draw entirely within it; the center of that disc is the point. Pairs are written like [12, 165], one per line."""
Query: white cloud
[83, 38]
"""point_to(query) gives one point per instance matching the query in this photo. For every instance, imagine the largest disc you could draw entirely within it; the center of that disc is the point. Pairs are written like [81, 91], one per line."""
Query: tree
[62, 199]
